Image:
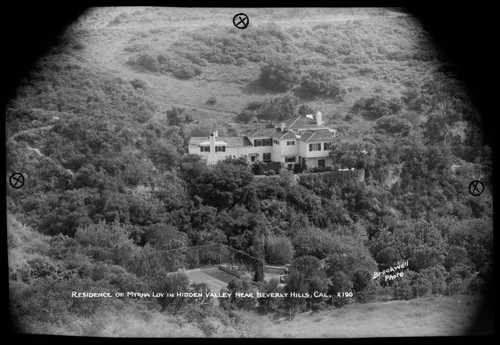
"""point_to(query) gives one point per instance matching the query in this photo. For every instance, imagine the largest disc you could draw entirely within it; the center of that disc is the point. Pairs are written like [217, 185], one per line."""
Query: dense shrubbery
[375, 107]
[280, 74]
[114, 189]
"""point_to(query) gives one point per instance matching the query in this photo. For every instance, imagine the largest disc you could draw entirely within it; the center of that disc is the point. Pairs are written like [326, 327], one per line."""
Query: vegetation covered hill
[111, 110]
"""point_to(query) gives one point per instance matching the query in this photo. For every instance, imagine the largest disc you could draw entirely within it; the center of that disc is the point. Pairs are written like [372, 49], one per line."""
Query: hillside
[113, 201]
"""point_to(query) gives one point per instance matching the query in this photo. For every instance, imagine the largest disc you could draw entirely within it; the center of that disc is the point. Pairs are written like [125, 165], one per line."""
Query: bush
[186, 71]
[139, 84]
[146, 62]
[136, 48]
[211, 101]
[246, 116]
[319, 81]
[279, 75]
[241, 62]
[393, 124]
[102, 234]
[376, 107]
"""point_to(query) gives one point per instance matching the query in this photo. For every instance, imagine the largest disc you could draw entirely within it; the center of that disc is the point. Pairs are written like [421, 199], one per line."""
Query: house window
[276, 142]
[252, 159]
[321, 163]
[314, 147]
[289, 159]
[289, 143]
[204, 148]
[220, 149]
[267, 157]
[263, 142]
[326, 146]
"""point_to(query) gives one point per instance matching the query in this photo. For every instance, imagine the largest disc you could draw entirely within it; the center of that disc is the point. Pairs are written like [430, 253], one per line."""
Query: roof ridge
[295, 121]
[312, 135]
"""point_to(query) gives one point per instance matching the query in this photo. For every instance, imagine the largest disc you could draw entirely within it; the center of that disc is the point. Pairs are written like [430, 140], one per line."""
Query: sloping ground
[433, 316]
[23, 243]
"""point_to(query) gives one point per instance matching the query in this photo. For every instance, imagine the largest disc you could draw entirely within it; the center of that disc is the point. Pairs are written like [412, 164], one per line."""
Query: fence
[208, 255]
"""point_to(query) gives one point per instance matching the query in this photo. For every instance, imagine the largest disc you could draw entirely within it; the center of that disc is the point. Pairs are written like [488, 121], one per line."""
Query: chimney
[211, 155]
[212, 142]
[319, 120]
[282, 126]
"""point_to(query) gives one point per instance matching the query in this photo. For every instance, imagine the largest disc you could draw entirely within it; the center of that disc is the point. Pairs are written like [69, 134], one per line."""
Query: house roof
[320, 135]
[227, 141]
[284, 135]
[263, 132]
[302, 122]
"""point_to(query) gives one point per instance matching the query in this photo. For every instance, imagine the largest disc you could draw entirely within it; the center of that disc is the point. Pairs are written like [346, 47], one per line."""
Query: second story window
[204, 148]
[291, 142]
[326, 146]
[263, 142]
[276, 142]
[315, 147]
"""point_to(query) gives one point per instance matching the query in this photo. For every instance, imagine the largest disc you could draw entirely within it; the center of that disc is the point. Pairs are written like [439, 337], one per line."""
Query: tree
[307, 264]
[339, 283]
[278, 108]
[223, 186]
[176, 116]
[319, 81]
[313, 241]
[317, 284]
[363, 285]
[171, 283]
[279, 250]
[387, 257]
[349, 255]
[164, 155]
[296, 283]
[305, 110]
[357, 154]
[394, 125]
[280, 74]
[245, 286]
[269, 304]
[456, 256]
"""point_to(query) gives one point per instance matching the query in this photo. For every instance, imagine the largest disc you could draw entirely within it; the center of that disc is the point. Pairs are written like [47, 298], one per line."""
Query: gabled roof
[284, 135]
[263, 132]
[302, 122]
[226, 141]
[320, 135]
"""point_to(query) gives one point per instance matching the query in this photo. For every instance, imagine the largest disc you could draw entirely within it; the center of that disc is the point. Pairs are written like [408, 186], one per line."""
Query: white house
[302, 140]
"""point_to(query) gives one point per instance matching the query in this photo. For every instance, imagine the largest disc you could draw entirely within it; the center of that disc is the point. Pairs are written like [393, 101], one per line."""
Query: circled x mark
[241, 20]
[16, 180]
[476, 188]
